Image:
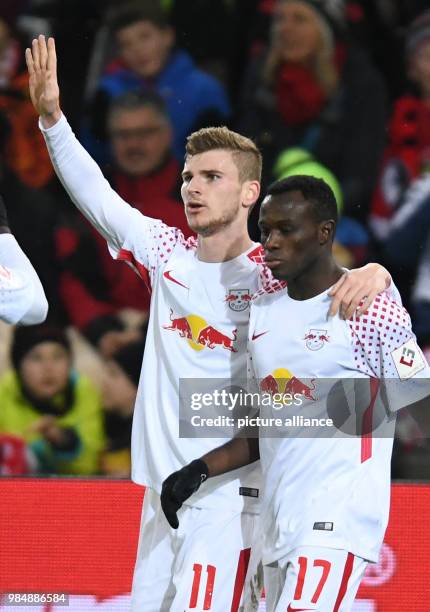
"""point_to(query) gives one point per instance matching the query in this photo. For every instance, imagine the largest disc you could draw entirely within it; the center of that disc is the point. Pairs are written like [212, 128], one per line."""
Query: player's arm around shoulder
[356, 289]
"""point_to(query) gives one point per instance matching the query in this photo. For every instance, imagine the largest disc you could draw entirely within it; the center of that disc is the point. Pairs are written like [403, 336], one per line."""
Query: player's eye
[213, 177]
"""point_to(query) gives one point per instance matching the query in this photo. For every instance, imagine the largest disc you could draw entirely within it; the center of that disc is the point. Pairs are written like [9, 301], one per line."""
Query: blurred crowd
[335, 88]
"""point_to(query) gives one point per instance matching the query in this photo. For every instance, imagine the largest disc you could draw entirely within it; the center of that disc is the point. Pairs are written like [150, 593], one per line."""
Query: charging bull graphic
[283, 381]
[269, 385]
[199, 334]
[295, 385]
[211, 337]
[181, 325]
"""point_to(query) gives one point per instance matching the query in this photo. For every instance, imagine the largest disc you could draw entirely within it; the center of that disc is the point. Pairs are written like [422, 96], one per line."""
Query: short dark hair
[314, 190]
[133, 100]
[133, 12]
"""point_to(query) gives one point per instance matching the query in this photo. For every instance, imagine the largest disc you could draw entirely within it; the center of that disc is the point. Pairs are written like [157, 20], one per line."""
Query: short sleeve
[386, 347]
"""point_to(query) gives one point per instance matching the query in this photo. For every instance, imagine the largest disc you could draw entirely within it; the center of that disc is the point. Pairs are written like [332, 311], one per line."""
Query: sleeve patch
[408, 359]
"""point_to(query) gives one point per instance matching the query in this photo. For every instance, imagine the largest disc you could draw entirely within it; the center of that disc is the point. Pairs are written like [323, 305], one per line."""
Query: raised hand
[41, 62]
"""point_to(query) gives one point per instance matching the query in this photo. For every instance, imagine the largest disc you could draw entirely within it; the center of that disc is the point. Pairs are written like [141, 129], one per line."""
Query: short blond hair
[246, 154]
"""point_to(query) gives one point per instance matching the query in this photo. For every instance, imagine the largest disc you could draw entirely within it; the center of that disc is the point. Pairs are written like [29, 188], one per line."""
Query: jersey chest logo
[282, 381]
[172, 279]
[199, 334]
[316, 338]
[238, 299]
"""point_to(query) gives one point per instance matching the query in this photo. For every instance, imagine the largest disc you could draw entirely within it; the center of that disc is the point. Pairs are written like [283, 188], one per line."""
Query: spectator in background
[407, 250]
[25, 150]
[407, 154]
[314, 90]
[53, 409]
[350, 247]
[146, 174]
[148, 59]
[145, 171]
[119, 396]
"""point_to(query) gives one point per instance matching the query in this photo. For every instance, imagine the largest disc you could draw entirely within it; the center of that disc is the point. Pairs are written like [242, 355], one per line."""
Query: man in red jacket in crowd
[146, 175]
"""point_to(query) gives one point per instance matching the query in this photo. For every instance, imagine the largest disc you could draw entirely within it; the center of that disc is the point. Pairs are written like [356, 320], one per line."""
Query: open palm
[41, 62]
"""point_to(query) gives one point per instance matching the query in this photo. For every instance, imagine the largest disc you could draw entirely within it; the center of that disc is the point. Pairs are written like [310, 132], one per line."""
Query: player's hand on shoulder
[179, 486]
[356, 289]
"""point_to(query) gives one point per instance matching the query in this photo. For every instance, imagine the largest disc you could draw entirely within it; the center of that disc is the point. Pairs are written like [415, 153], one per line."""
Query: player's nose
[272, 241]
[194, 186]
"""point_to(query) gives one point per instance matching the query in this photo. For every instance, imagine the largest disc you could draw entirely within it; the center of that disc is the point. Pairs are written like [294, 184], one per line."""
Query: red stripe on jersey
[349, 564]
[125, 255]
[367, 422]
[242, 568]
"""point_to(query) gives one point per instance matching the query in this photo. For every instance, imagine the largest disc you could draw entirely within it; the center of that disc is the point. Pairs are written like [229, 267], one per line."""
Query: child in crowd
[119, 396]
[47, 404]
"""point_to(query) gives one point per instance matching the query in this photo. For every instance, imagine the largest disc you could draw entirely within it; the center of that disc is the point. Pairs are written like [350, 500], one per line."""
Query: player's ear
[326, 231]
[250, 193]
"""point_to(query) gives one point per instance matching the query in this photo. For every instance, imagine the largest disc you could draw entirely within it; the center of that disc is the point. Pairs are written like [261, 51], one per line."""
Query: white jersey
[324, 490]
[198, 329]
[198, 323]
[22, 299]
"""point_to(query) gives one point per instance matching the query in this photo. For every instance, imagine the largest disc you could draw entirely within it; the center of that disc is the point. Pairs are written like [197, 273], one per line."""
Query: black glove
[179, 486]
[3, 214]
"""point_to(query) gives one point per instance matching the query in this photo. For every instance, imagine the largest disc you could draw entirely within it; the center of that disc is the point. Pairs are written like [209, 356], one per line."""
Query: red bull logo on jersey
[200, 334]
[238, 299]
[181, 325]
[282, 381]
[316, 338]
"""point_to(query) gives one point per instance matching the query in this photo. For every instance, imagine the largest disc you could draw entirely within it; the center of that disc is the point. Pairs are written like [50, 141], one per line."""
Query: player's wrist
[48, 120]
[199, 469]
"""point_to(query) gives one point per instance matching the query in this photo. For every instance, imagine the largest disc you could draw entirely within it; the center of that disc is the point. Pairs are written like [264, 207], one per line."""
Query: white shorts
[203, 565]
[313, 578]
